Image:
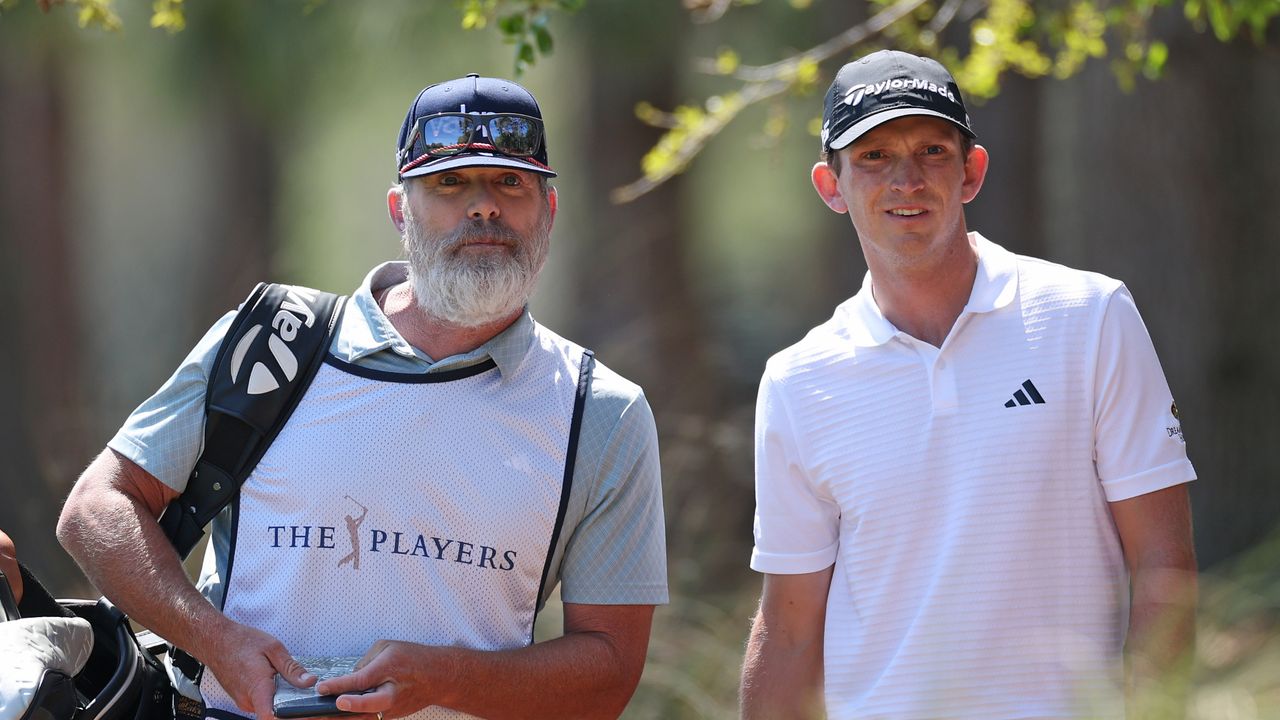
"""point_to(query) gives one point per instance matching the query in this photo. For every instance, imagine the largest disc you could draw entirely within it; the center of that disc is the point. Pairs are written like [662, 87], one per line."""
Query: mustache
[478, 230]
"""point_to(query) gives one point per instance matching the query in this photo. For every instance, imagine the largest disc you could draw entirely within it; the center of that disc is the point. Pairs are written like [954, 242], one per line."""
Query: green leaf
[1219, 19]
[525, 56]
[475, 14]
[543, 37]
[1157, 54]
[98, 12]
[511, 24]
[168, 14]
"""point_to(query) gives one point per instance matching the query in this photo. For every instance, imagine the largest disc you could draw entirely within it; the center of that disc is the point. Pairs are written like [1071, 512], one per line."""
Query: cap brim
[476, 160]
[864, 125]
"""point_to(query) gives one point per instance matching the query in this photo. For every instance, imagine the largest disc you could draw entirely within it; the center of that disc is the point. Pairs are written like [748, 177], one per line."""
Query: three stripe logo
[1028, 395]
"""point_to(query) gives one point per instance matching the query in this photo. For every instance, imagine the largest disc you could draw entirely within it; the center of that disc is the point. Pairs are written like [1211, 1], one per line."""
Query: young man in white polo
[971, 497]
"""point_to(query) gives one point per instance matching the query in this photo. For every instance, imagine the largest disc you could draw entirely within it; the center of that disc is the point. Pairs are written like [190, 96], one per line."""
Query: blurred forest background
[149, 179]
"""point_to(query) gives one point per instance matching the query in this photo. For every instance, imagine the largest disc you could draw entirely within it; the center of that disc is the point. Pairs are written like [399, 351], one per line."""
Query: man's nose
[907, 176]
[483, 205]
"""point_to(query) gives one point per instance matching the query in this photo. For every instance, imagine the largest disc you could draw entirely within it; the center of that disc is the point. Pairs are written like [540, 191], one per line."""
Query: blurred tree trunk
[43, 373]
[42, 432]
[1008, 210]
[242, 232]
[637, 304]
[1233, 164]
[234, 64]
[1135, 186]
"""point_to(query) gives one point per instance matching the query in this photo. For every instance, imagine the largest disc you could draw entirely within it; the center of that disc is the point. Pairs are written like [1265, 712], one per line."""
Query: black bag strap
[271, 352]
[585, 371]
[8, 605]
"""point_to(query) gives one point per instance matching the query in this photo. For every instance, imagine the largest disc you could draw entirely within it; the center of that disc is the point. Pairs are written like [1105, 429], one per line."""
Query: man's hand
[9, 566]
[246, 661]
[401, 678]
[590, 672]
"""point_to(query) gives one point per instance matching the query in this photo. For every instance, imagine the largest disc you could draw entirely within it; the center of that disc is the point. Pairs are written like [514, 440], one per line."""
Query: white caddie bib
[420, 508]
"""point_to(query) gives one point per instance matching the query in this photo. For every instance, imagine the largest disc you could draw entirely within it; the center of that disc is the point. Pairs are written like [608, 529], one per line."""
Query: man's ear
[553, 202]
[828, 187]
[395, 206]
[975, 172]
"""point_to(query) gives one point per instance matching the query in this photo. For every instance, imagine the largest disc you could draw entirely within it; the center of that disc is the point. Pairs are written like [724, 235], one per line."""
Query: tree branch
[838, 44]
[697, 139]
[761, 83]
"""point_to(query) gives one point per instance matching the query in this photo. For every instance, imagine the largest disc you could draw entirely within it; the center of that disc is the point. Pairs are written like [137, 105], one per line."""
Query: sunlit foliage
[982, 41]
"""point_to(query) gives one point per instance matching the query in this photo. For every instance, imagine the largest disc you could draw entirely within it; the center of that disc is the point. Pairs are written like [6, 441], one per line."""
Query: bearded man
[495, 459]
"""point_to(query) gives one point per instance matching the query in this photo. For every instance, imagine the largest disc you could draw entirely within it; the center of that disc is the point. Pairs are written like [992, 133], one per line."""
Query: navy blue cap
[470, 94]
[884, 86]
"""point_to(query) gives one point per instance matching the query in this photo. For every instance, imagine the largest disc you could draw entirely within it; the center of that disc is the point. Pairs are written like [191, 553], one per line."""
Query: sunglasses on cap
[447, 134]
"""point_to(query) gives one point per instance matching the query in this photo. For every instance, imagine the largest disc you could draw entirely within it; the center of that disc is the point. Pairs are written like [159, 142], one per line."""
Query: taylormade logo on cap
[857, 92]
[884, 86]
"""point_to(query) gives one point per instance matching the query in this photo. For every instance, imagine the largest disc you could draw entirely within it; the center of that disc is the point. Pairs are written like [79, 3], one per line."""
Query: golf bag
[81, 660]
[84, 664]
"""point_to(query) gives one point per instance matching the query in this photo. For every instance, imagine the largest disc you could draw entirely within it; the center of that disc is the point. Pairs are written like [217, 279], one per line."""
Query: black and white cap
[884, 86]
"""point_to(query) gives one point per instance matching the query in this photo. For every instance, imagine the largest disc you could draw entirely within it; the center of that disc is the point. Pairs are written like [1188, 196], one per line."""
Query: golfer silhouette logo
[353, 527]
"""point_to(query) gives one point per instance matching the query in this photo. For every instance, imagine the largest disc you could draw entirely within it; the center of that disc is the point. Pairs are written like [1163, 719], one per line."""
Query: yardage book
[296, 702]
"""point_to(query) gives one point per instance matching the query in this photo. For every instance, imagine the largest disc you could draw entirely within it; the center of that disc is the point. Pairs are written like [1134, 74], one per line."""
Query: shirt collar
[997, 280]
[994, 287]
[366, 330]
[869, 326]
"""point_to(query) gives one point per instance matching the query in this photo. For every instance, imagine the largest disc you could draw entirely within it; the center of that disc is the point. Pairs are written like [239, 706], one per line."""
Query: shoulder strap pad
[272, 350]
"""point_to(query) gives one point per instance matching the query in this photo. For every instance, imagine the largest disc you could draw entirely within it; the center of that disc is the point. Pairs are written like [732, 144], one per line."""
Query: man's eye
[873, 155]
[449, 180]
[511, 180]
[935, 150]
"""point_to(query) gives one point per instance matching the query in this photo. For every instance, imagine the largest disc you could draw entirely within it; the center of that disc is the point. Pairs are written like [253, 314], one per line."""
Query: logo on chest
[1026, 395]
[387, 543]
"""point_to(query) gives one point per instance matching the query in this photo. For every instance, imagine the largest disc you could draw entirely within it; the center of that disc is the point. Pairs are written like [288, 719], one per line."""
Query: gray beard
[473, 290]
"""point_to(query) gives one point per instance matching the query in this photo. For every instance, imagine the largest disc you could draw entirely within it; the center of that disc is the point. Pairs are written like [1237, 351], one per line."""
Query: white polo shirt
[961, 493]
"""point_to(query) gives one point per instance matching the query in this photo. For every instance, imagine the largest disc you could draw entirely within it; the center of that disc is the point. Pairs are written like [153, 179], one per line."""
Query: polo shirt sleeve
[1138, 443]
[617, 554]
[797, 524]
[165, 435]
